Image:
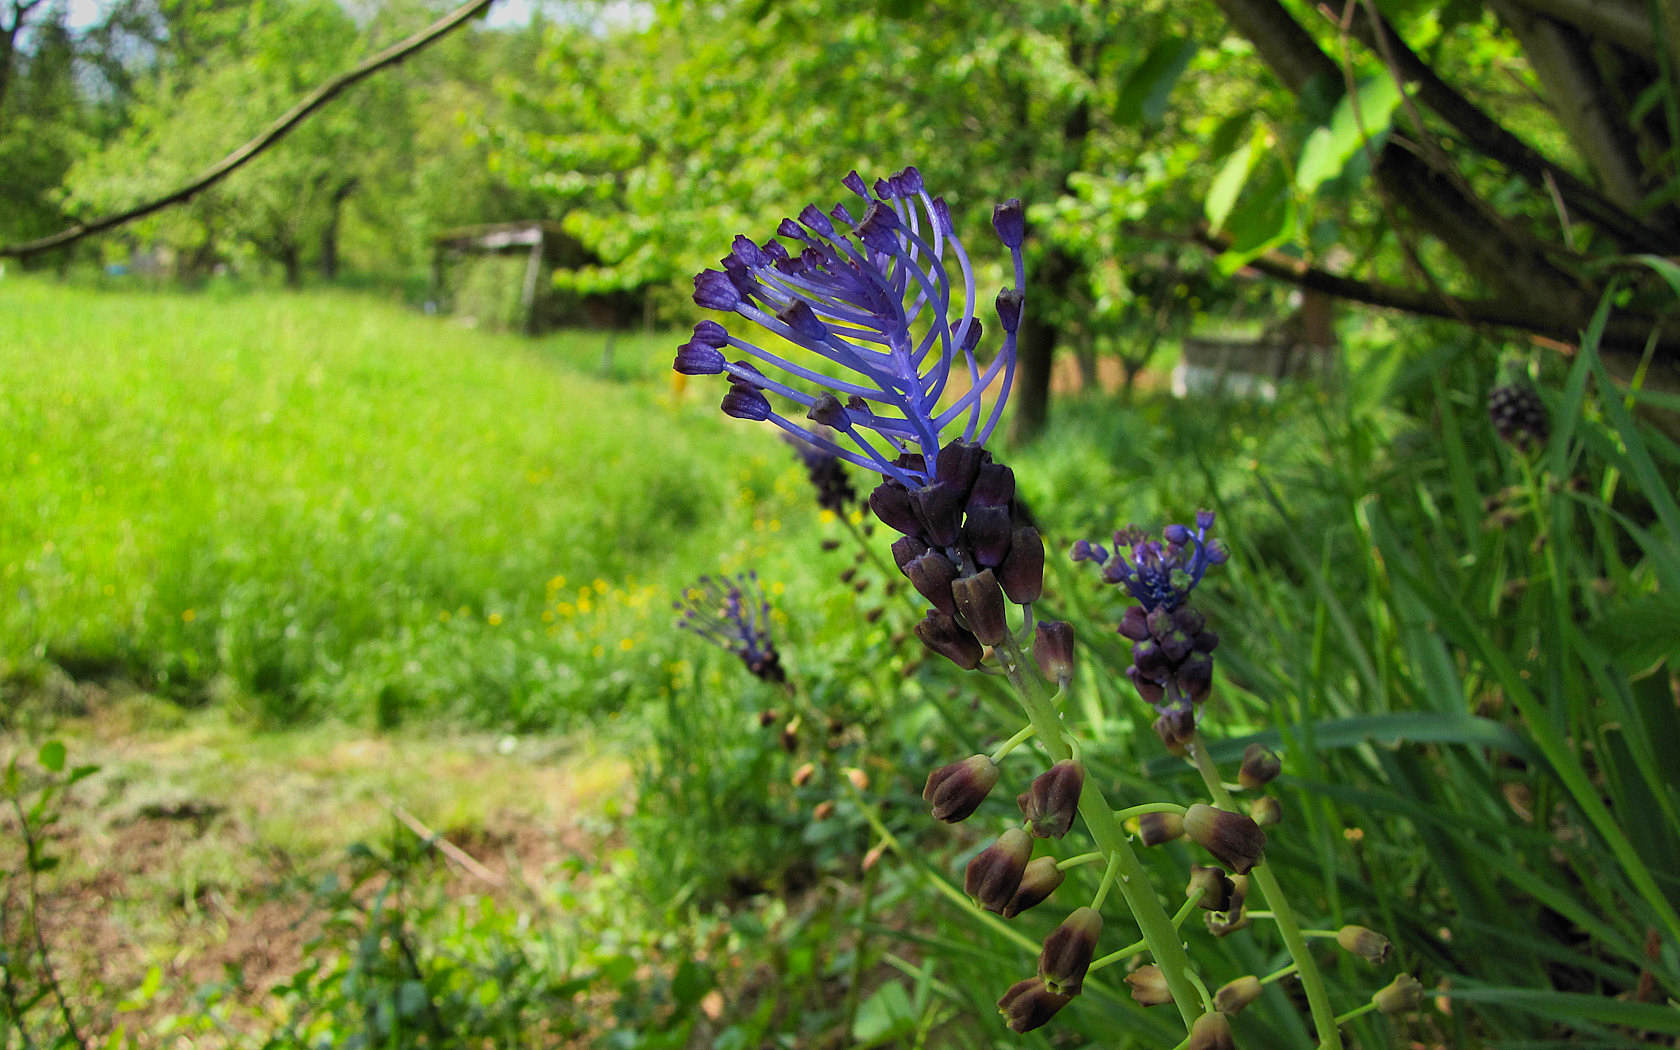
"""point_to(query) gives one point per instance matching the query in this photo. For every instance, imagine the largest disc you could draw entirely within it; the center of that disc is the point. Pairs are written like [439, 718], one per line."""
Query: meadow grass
[318, 503]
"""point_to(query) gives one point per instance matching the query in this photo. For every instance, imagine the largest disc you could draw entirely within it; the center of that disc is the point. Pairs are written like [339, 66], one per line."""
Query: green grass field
[320, 503]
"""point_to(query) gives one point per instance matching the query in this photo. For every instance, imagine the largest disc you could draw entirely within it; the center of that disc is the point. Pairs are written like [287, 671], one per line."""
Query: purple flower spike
[877, 313]
[732, 613]
[1158, 575]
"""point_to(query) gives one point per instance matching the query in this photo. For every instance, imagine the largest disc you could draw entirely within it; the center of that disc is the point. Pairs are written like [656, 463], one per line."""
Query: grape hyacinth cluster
[875, 362]
[732, 613]
[1172, 651]
[1518, 415]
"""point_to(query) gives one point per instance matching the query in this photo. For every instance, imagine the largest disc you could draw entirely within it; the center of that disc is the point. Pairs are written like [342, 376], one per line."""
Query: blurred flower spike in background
[731, 612]
[1158, 575]
[878, 309]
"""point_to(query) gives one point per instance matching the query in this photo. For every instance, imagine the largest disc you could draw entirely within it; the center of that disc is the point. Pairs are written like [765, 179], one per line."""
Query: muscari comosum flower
[731, 612]
[1172, 651]
[874, 361]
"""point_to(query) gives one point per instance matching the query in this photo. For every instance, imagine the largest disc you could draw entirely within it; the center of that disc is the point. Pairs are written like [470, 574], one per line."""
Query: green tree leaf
[1144, 92]
[51, 756]
[1366, 112]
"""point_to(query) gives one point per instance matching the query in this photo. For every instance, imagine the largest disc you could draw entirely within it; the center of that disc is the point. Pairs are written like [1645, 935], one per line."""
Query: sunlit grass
[319, 502]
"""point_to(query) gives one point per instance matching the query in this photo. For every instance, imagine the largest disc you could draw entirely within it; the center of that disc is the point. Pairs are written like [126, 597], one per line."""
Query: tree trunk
[329, 233]
[1035, 346]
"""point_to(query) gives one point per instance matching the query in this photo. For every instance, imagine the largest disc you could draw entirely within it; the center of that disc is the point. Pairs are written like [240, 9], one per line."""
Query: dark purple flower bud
[1029, 1005]
[854, 182]
[1195, 676]
[1188, 620]
[987, 532]
[713, 290]
[744, 402]
[1207, 642]
[828, 411]
[789, 228]
[1134, 624]
[1260, 766]
[980, 605]
[1068, 952]
[931, 574]
[799, 316]
[907, 549]
[879, 228]
[1401, 995]
[970, 337]
[1149, 986]
[891, 503]
[886, 188]
[710, 333]
[746, 253]
[994, 486]
[1157, 828]
[1177, 535]
[1009, 220]
[1022, 572]
[816, 221]
[1234, 995]
[1052, 801]
[995, 872]
[945, 636]
[955, 791]
[1053, 650]
[1211, 1032]
[1038, 882]
[1366, 943]
[1009, 302]
[1176, 729]
[1085, 550]
[958, 463]
[1153, 692]
[694, 359]
[1233, 918]
[942, 217]
[1148, 658]
[1234, 839]
[1215, 888]
[938, 507]
[909, 180]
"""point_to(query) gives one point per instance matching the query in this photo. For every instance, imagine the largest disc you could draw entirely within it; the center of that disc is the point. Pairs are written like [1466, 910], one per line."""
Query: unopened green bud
[955, 791]
[1234, 839]
[1149, 986]
[1234, 995]
[1260, 765]
[1053, 650]
[1028, 1005]
[1068, 951]
[1368, 944]
[1052, 801]
[995, 873]
[1266, 811]
[1215, 887]
[1157, 828]
[1211, 1032]
[1038, 881]
[1401, 994]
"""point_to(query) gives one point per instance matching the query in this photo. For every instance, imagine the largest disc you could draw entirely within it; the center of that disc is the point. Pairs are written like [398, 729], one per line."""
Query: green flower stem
[1104, 886]
[1013, 742]
[1358, 1011]
[1278, 975]
[1207, 998]
[1123, 815]
[1184, 912]
[1083, 858]
[1159, 934]
[1312, 982]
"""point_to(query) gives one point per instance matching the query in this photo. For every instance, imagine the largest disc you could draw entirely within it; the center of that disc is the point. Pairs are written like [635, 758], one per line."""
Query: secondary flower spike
[731, 612]
[872, 315]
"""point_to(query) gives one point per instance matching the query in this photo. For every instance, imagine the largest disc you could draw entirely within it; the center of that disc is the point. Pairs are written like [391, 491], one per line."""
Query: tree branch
[274, 133]
[1620, 22]
[1490, 138]
[1624, 331]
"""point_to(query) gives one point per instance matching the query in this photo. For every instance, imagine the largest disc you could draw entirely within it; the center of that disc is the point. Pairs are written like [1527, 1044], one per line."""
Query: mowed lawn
[324, 503]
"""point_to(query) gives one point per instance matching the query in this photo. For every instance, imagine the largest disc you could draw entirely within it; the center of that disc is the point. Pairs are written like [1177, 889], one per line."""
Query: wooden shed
[540, 247]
